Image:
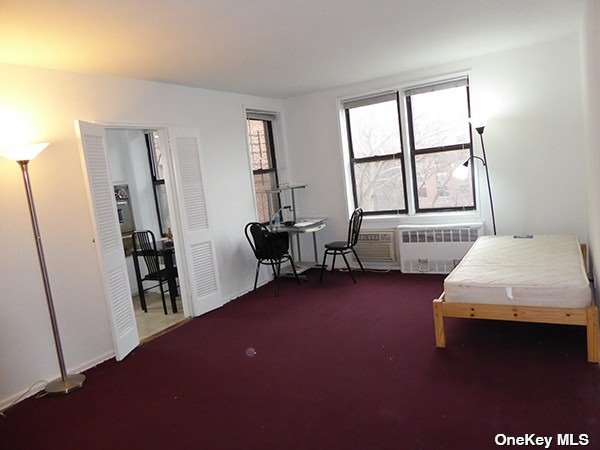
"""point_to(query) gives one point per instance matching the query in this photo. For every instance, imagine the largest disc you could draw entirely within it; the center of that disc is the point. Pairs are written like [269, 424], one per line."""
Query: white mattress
[545, 270]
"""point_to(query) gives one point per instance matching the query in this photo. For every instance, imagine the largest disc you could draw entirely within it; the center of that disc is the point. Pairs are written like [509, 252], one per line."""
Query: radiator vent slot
[435, 248]
[376, 246]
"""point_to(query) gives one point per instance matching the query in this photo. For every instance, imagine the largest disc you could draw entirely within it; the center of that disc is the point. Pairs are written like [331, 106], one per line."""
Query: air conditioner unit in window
[435, 248]
[376, 246]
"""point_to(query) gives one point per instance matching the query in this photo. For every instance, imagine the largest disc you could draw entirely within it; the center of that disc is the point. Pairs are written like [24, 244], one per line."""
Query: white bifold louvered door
[107, 237]
[198, 246]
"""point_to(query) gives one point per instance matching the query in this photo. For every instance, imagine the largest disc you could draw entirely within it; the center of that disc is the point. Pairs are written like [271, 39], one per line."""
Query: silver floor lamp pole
[66, 383]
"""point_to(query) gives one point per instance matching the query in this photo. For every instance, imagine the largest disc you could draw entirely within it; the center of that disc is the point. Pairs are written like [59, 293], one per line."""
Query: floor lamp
[487, 173]
[66, 383]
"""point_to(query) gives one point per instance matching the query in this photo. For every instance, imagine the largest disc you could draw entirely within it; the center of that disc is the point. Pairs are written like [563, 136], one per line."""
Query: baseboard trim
[4, 403]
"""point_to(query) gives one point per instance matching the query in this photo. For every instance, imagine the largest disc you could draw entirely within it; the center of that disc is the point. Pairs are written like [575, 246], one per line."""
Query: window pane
[262, 183]
[259, 147]
[375, 129]
[165, 220]
[436, 185]
[440, 118]
[379, 185]
[157, 159]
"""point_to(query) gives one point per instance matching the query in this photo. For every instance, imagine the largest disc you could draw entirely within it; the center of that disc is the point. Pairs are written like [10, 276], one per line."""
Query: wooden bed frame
[586, 316]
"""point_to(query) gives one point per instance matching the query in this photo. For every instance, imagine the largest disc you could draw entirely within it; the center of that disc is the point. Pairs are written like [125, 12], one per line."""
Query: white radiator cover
[435, 248]
[377, 245]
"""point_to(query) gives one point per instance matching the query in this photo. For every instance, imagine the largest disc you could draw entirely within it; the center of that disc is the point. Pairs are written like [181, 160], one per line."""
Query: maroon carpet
[328, 365]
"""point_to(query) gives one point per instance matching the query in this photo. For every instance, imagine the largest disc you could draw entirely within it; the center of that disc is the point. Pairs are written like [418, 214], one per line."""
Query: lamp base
[66, 385]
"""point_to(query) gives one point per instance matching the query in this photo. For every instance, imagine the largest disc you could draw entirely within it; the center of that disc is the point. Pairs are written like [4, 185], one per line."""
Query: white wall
[533, 141]
[591, 57]
[43, 104]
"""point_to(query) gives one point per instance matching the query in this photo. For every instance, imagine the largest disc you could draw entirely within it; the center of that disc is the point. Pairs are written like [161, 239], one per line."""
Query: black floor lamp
[487, 172]
[66, 383]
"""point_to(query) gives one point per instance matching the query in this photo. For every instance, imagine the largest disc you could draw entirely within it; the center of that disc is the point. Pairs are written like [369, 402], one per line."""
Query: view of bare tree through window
[263, 167]
[440, 141]
[437, 187]
[440, 119]
[375, 132]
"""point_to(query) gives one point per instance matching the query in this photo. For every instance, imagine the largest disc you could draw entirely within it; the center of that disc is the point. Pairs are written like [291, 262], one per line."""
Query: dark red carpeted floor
[328, 365]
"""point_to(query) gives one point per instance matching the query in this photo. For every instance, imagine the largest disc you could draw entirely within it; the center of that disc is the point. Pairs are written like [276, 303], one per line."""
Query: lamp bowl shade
[23, 152]
[461, 172]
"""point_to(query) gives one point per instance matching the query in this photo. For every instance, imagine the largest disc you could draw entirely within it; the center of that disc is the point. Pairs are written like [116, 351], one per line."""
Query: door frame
[179, 233]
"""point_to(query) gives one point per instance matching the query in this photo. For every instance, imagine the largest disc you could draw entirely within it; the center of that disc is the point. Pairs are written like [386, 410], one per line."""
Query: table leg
[298, 245]
[173, 293]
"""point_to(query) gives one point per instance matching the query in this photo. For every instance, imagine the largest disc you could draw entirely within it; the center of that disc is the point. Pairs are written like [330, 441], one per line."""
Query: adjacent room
[341, 224]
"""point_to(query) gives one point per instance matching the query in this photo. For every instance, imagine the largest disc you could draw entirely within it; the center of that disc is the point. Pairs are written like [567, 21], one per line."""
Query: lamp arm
[475, 157]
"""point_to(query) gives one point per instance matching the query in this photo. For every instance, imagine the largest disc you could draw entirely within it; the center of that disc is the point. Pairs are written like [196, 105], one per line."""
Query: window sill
[434, 218]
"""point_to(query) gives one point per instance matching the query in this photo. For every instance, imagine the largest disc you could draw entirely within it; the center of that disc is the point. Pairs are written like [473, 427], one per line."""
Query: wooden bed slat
[568, 316]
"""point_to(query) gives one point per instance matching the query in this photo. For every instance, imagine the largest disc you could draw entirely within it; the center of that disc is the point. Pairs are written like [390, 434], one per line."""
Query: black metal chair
[347, 246]
[270, 248]
[144, 247]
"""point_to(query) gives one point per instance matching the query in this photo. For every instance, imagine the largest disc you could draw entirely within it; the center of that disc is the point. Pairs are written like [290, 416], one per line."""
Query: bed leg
[592, 334]
[438, 324]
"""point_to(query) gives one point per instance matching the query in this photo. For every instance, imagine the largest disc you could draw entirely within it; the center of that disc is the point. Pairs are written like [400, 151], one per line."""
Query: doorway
[197, 266]
[137, 172]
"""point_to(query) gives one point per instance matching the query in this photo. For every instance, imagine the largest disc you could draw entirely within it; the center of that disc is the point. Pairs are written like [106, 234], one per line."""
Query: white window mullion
[408, 167]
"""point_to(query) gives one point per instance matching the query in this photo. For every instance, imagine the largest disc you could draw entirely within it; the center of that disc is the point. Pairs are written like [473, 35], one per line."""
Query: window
[264, 167]
[155, 158]
[377, 162]
[439, 140]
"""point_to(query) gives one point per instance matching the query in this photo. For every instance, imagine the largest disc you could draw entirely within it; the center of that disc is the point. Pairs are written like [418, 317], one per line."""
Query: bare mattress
[542, 270]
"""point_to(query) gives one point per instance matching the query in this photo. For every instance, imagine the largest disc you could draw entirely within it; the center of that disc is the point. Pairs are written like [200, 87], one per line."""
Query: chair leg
[348, 266]
[140, 285]
[272, 262]
[333, 262]
[358, 259]
[142, 297]
[162, 296]
[323, 266]
[256, 276]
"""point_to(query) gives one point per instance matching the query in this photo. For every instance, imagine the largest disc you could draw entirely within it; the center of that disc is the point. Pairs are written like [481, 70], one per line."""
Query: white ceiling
[273, 48]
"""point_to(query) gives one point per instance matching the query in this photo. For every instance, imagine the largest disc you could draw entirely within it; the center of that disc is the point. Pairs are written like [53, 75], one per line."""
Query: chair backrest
[354, 227]
[265, 243]
[144, 244]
